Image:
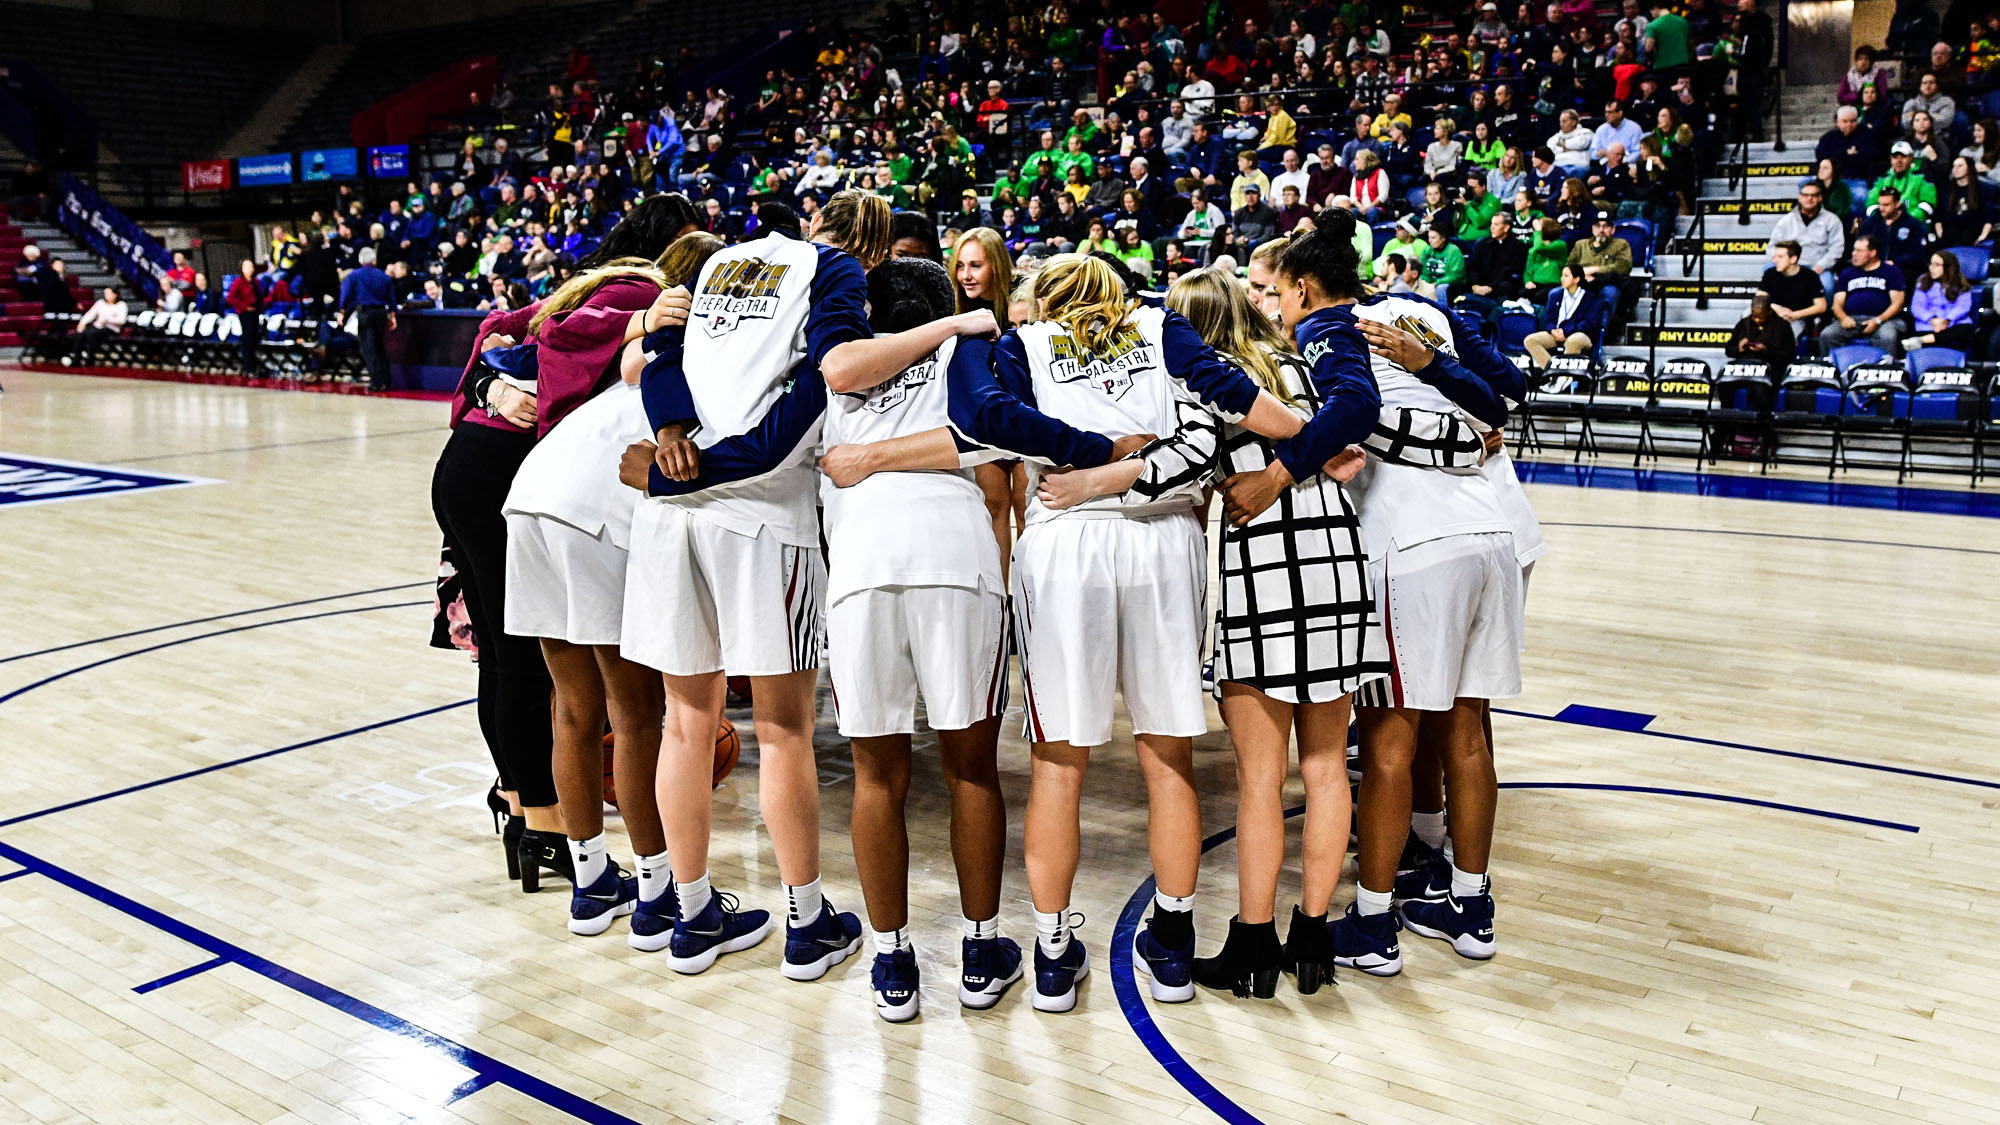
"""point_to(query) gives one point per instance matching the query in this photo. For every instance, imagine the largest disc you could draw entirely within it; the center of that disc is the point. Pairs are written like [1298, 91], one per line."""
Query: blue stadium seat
[1415, 198]
[1973, 261]
[1849, 356]
[1638, 234]
[1923, 359]
[1989, 104]
[1859, 189]
[1383, 233]
[1513, 328]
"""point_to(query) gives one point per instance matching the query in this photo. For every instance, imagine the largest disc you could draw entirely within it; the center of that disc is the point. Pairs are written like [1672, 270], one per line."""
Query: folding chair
[1740, 400]
[1561, 393]
[1683, 390]
[1810, 397]
[1947, 405]
[1877, 403]
[1623, 388]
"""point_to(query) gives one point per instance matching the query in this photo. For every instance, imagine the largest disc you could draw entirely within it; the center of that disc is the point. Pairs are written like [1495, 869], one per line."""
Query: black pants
[470, 484]
[371, 330]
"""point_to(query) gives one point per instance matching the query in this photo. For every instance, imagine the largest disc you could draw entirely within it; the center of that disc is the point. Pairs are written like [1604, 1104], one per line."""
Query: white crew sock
[590, 859]
[803, 904]
[1467, 884]
[1052, 932]
[891, 941]
[654, 875]
[1165, 901]
[694, 896]
[982, 931]
[1367, 902]
[1449, 855]
[1429, 827]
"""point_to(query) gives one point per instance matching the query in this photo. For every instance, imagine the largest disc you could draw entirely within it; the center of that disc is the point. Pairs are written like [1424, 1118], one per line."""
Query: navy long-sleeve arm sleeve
[1350, 402]
[991, 403]
[663, 386]
[1219, 384]
[766, 447]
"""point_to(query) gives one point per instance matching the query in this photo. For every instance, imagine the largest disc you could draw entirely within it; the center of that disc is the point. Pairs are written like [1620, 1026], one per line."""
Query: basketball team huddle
[777, 469]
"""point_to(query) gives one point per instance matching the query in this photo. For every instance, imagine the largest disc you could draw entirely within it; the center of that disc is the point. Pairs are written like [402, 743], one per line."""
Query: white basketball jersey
[1121, 391]
[753, 310]
[922, 528]
[572, 473]
[1400, 505]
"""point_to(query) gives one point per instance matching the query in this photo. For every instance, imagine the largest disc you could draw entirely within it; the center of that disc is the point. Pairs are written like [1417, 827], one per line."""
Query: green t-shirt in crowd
[1669, 34]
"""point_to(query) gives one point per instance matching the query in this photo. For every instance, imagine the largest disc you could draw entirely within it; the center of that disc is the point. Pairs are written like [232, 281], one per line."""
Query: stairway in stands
[1734, 259]
[21, 315]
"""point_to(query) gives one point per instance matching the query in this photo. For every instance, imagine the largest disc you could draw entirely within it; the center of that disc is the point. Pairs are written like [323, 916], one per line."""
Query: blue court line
[469, 1087]
[15, 874]
[482, 1065]
[1843, 541]
[1583, 717]
[1125, 981]
[1732, 799]
[177, 977]
[68, 672]
[1840, 494]
[247, 758]
[206, 620]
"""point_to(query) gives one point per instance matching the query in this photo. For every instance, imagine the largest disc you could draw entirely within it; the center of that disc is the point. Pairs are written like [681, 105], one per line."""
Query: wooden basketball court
[1745, 864]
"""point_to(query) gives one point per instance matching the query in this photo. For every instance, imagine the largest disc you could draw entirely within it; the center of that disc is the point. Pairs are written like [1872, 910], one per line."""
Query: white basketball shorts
[563, 583]
[1452, 611]
[888, 645]
[1109, 604]
[700, 598]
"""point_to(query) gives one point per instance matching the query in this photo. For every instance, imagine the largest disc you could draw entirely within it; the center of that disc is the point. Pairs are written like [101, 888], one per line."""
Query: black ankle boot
[541, 851]
[1309, 951]
[510, 841]
[1248, 963]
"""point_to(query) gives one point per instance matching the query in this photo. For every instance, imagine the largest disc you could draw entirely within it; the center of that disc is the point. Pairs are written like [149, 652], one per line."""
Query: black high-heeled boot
[541, 851]
[497, 805]
[510, 840]
[1248, 963]
[1309, 951]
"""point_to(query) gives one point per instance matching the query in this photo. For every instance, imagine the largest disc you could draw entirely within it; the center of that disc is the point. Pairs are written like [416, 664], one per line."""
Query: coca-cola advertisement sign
[205, 175]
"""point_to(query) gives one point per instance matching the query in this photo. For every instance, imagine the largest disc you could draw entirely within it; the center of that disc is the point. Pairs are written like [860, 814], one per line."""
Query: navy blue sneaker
[592, 908]
[894, 982]
[653, 921]
[1466, 923]
[819, 945]
[1428, 881]
[1057, 978]
[1170, 970]
[1367, 942]
[720, 928]
[990, 966]
[1416, 854]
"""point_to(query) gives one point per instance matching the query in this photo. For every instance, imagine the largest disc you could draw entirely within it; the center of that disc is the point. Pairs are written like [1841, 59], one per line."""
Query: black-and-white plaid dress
[1298, 619]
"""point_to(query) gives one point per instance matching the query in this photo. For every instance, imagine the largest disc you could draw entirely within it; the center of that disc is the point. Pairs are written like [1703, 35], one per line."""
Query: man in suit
[1572, 318]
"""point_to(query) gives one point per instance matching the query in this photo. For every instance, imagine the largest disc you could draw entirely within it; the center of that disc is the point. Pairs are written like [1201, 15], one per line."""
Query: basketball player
[567, 531]
[1424, 870]
[731, 575]
[915, 608]
[1443, 569]
[1107, 596]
